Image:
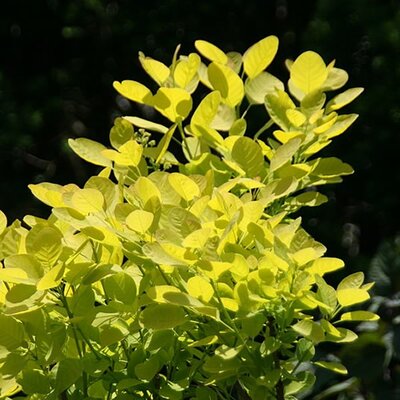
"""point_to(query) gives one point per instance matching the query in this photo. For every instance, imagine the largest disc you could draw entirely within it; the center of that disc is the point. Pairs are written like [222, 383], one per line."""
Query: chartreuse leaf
[134, 91]
[128, 154]
[350, 296]
[8, 387]
[139, 220]
[238, 128]
[3, 222]
[248, 155]
[359, 316]
[184, 186]
[324, 265]
[90, 151]
[200, 288]
[186, 71]
[210, 51]
[147, 369]
[206, 110]
[224, 118]
[52, 278]
[11, 332]
[257, 88]
[162, 316]
[88, 201]
[277, 104]
[120, 133]
[343, 99]
[308, 72]
[285, 153]
[330, 167]
[259, 56]
[68, 372]
[336, 79]
[34, 381]
[145, 124]
[227, 82]
[310, 330]
[295, 117]
[174, 103]
[342, 123]
[332, 366]
[352, 281]
[156, 69]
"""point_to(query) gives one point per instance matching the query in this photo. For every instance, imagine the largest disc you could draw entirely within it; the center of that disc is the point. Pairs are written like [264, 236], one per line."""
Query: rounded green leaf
[186, 70]
[259, 56]
[147, 369]
[134, 91]
[184, 186]
[359, 316]
[248, 154]
[11, 332]
[90, 151]
[308, 72]
[210, 51]
[227, 82]
[156, 69]
[162, 316]
[206, 110]
[200, 288]
[120, 133]
[350, 296]
[258, 87]
[139, 220]
[174, 103]
[88, 200]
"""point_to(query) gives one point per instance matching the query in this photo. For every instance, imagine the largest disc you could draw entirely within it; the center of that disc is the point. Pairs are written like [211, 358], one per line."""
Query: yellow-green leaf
[3, 222]
[139, 220]
[277, 104]
[162, 316]
[145, 124]
[174, 103]
[295, 117]
[210, 51]
[90, 151]
[156, 69]
[332, 366]
[51, 278]
[200, 288]
[186, 70]
[308, 72]
[285, 153]
[359, 316]
[134, 91]
[352, 281]
[343, 99]
[88, 200]
[205, 112]
[351, 296]
[324, 265]
[257, 88]
[227, 82]
[129, 154]
[184, 186]
[259, 56]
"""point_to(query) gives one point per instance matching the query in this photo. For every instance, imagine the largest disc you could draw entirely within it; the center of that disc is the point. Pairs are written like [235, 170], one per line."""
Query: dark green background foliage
[57, 64]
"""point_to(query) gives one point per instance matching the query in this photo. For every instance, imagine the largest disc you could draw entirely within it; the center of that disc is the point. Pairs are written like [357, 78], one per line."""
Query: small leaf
[88, 200]
[68, 372]
[134, 91]
[184, 186]
[120, 133]
[343, 99]
[285, 153]
[145, 124]
[186, 70]
[11, 332]
[352, 281]
[351, 296]
[263, 84]
[332, 366]
[359, 316]
[156, 69]
[238, 128]
[210, 51]
[200, 288]
[336, 79]
[259, 56]
[90, 151]
[330, 167]
[174, 103]
[308, 72]
[310, 330]
[162, 316]
[139, 220]
[277, 104]
[147, 369]
[248, 155]
[227, 82]
[3, 222]
[52, 278]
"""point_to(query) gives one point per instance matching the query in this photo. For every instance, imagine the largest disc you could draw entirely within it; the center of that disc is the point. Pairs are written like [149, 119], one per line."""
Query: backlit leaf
[210, 51]
[310, 330]
[68, 372]
[90, 151]
[257, 88]
[332, 366]
[308, 72]
[186, 70]
[52, 278]
[351, 296]
[277, 104]
[88, 201]
[3, 222]
[247, 153]
[156, 69]
[174, 103]
[11, 332]
[343, 99]
[200, 288]
[120, 133]
[145, 124]
[227, 82]
[359, 316]
[259, 56]
[139, 220]
[184, 186]
[285, 153]
[134, 91]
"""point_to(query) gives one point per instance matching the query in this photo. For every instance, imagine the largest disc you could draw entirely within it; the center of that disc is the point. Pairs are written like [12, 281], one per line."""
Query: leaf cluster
[186, 278]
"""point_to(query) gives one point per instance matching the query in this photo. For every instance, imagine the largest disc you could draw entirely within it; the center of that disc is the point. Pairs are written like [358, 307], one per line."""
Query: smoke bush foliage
[185, 275]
